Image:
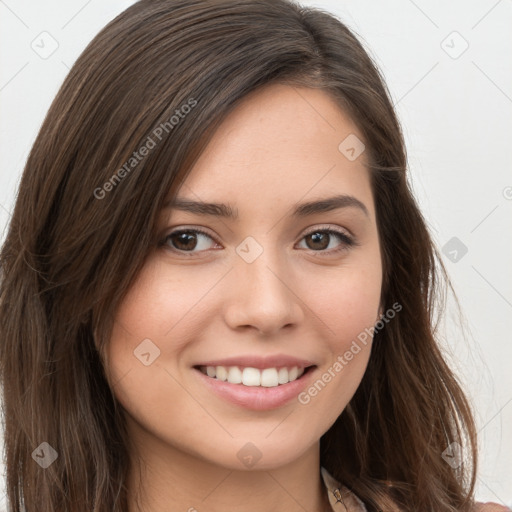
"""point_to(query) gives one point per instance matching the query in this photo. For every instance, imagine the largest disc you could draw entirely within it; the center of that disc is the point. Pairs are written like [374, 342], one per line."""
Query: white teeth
[222, 373]
[251, 377]
[282, 376]
[234, 375]
[268, 377]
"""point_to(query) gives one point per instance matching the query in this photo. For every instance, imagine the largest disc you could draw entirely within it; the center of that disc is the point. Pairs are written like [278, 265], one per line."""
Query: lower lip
[257, 398]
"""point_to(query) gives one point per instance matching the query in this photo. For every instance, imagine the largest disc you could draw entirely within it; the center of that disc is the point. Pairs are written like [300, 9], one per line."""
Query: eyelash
[347, 241]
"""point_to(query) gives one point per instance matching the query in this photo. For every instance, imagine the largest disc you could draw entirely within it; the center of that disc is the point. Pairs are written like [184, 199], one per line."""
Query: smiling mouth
[255, 377]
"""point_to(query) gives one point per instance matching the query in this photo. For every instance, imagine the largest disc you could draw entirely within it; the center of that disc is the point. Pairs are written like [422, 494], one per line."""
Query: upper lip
[261, 362]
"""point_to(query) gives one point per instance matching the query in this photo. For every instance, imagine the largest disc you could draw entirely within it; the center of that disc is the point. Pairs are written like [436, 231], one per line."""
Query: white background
[456, 115]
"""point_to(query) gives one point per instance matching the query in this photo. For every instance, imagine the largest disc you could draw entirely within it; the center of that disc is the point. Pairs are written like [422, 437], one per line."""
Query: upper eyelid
[186, 227]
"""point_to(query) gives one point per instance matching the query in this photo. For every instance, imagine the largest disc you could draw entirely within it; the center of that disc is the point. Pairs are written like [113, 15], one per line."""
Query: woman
[217, 289]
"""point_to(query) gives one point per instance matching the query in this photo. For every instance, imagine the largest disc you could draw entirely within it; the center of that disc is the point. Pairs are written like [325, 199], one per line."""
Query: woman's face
[268, 289]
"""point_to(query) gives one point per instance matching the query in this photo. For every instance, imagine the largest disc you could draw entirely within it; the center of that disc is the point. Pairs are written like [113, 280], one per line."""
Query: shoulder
[490, 507]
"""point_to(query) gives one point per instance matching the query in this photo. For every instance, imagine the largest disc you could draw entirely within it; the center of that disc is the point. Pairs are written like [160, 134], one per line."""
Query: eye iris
[317, 237]
[183, 238]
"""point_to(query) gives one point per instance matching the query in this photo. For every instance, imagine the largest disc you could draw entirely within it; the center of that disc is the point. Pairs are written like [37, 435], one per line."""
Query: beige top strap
[341, 498]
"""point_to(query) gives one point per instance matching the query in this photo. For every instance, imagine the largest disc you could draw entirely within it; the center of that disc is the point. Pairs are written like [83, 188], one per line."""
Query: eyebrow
[301, 210]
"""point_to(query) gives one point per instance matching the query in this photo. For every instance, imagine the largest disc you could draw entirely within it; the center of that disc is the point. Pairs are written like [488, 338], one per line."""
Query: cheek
[351, 316]
[150, 311]
[150, 330]
[161, 304]
[346, 303]
[160, 314]
[345, 300]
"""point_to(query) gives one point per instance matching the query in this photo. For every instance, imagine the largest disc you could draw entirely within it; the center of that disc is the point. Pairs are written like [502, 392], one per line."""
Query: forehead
[282, 144]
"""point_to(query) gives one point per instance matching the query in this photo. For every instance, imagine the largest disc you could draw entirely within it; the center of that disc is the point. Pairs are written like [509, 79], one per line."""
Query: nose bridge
[262, 296]
[258, 267]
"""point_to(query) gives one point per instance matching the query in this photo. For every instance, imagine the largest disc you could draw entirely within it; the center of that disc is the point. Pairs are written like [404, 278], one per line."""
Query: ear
[95, 338]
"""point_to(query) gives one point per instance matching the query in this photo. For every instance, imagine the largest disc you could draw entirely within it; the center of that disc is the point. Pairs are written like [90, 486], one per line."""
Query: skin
[278, 148]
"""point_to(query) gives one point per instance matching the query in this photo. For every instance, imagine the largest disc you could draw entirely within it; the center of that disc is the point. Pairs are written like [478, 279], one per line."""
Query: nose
[262, 295]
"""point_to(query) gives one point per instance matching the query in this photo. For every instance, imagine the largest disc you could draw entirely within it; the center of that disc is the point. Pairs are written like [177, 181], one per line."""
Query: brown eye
[320, 239]
[186, 240]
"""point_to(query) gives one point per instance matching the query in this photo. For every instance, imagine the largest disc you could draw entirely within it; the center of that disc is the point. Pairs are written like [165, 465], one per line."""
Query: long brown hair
[84, 222]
